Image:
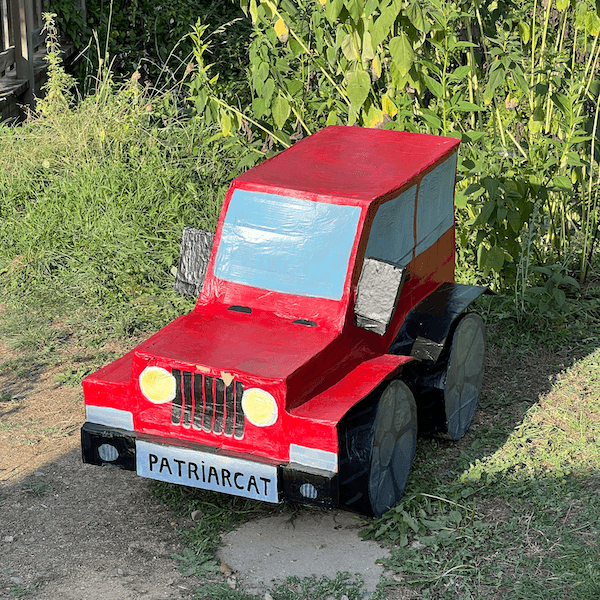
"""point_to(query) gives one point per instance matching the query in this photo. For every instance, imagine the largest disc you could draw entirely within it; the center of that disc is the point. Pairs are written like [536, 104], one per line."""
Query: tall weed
[517, 83]
[93, 198]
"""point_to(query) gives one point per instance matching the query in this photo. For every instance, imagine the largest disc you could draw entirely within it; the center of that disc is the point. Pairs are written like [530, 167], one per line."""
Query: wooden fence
[22, 51]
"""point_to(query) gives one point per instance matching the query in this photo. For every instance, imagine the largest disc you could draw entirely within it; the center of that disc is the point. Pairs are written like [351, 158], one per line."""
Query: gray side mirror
[377, 295]
[196, 248]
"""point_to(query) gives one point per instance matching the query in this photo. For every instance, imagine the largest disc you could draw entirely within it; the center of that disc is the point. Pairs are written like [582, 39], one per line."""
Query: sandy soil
[69, 530]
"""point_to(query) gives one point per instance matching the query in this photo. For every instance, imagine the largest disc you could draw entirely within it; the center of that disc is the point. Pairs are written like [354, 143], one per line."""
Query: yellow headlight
[157, 384]
[259, 407]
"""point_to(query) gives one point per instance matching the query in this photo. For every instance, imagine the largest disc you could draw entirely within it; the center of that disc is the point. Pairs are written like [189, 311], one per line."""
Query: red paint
[316, 374]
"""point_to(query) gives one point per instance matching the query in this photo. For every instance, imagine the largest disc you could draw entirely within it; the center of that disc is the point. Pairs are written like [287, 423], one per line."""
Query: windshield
[286, 244]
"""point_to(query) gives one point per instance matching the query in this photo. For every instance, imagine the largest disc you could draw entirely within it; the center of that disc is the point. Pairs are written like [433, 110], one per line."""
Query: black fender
[428, 325]
[426, 335]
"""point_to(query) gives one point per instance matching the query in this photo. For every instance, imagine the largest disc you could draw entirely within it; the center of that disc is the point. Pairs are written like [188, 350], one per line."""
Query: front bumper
[204, 468]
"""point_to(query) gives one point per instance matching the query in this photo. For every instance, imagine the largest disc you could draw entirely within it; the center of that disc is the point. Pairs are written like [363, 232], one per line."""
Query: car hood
[258, 344]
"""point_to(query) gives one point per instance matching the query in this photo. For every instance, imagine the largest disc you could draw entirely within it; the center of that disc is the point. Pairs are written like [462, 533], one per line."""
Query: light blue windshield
[287, 245]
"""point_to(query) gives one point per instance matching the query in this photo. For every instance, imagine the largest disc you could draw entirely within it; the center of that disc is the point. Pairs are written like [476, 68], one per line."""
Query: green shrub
[516, 83]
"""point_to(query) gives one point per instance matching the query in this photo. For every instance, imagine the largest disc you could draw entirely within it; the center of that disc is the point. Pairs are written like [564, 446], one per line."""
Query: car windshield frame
[286, 244]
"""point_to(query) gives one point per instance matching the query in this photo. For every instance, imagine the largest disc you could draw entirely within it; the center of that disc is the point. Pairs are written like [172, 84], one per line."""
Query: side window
[435, 206]
[392, 236]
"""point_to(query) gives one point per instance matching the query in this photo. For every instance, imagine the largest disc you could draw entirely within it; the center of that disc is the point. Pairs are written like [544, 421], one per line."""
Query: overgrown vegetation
[94, 196]
[517, 83]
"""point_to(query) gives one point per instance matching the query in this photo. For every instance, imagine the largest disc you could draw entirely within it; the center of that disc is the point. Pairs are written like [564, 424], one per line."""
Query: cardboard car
[328, 330]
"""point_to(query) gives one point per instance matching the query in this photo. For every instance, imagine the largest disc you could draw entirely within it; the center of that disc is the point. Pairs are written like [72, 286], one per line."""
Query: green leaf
[519, 79]
[562, 4]
[568, 280]
[267, 90]
[434, 86]
[563, 182]
[373, 118]
[497, 76]
[486, 212]
[432, 120]
[465, 106]
[354, 8]
[490, 259]
[559, 296]
[367, 48]
[592, 23]
[253, 11]
[332, 118]
[350, 45]
[225, 124]
[281, 111]
[460, 73]
[514, 220]
[294, 87]
[460, 200]
[382, 26]
[259, 107]
[414, 12]
[333, 9]
[359, 86]
[402, 53]
[200, 101]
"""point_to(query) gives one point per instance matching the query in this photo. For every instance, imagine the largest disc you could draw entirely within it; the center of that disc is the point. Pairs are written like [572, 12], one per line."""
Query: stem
[532, 55]
[586, 215]
[473, 84]
[321, 68]
[304, 125]
[247, 118]
[514, 141]
[500, 128]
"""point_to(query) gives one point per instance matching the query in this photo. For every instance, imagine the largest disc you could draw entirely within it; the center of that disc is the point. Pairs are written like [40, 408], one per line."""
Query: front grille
[206, 403]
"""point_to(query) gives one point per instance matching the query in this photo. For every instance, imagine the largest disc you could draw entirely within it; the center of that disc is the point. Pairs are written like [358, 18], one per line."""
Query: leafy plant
[510, 81]
[551, 297]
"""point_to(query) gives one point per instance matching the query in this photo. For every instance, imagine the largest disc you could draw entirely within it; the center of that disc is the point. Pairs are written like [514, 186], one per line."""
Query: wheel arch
[429, 325]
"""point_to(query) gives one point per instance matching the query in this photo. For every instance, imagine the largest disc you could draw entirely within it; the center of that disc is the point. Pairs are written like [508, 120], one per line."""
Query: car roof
[352, 162]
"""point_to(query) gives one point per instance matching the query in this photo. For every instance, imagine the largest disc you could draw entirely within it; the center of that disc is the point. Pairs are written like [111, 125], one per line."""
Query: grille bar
[206, 403]
[187, 394]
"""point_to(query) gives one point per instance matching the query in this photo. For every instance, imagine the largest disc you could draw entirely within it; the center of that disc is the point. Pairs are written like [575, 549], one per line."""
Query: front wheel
[394, 446]
[377, 448]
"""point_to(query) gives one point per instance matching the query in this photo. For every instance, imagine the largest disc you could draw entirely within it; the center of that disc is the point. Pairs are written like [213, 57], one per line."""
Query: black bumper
[102, 445]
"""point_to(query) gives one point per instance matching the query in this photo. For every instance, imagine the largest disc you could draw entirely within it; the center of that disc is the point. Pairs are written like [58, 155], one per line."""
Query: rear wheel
[377, 448]
[463, 376]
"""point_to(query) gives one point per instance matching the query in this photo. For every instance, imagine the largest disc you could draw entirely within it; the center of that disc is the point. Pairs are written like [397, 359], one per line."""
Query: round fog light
[308, 490]
[108, 453]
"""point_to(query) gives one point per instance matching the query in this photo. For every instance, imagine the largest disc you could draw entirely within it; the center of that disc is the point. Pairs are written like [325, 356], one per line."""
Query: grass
[93, 201]
[512, 510]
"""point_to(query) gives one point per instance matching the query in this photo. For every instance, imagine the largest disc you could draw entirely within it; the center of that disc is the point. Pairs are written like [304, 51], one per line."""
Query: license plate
[208, 471]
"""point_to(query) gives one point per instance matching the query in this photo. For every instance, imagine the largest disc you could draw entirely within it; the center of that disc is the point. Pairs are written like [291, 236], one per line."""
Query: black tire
[463, 376]
[377, 448]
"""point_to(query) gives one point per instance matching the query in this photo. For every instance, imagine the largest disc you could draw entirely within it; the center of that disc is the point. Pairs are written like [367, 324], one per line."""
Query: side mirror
[377, 295]
[196, 248]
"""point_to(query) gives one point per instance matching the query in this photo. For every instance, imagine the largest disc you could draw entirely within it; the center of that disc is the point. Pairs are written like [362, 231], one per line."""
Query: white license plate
[207, 471]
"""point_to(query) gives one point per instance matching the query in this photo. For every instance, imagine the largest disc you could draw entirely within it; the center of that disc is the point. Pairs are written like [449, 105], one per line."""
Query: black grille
[207, 404]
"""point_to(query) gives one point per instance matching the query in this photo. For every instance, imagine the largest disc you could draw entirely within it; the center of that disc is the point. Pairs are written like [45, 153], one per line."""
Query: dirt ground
[69, 530]
[73, 531]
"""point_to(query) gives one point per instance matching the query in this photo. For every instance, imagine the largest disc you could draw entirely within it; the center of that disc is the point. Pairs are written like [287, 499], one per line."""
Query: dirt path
[69, 530]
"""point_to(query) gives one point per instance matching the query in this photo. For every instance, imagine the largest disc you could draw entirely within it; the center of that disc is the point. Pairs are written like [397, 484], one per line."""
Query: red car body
[277, 314]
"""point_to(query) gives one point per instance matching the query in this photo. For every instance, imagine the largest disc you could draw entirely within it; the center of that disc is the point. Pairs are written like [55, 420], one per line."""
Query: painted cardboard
[275, 353]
